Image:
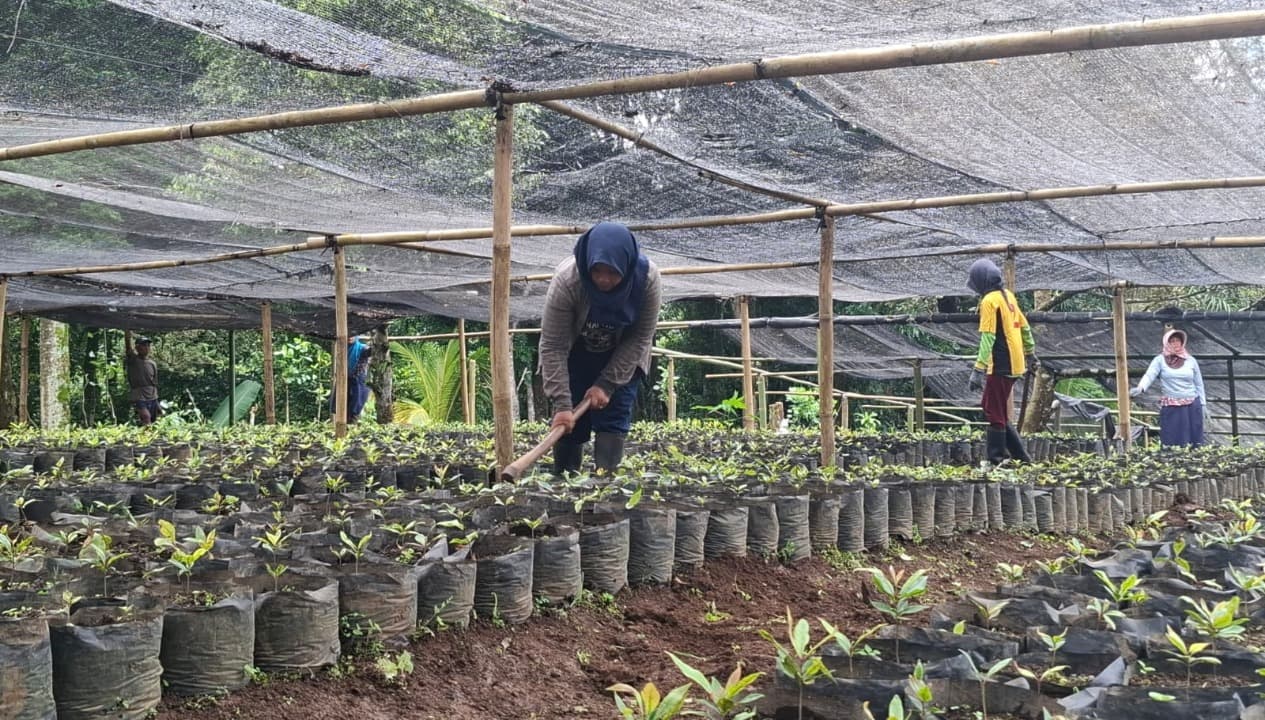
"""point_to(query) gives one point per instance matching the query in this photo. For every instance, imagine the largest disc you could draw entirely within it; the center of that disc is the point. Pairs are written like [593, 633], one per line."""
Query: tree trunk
[91, 387]
[381, 376]
[1041, 401]
[54, 373]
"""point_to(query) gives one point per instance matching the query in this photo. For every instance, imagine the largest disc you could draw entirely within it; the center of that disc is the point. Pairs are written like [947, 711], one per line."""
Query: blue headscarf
[612, 244]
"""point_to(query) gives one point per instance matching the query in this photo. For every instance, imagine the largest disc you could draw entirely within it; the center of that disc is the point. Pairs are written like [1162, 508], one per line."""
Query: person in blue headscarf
[358, 356]
[600, 314]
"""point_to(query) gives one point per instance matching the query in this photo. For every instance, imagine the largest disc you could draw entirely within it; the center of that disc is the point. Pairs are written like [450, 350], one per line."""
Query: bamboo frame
[920, 400]
[502, 361]
[670, 383]
[472, 371]
[748, 388]
[4, 310]
[270, 386]
[340, 343]
[465, 377]
[762, 393]
[232, 376]
[826, 341]
[24, 372]
[943, 52]
[1122, 364]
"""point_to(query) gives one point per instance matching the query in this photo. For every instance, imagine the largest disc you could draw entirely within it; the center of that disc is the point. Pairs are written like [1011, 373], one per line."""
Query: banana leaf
[247, 393]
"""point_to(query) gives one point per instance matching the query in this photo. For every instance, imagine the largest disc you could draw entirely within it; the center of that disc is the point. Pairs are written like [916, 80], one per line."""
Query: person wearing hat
[142, 379]
[1006, 351]
[1183, 403]
[600, 314]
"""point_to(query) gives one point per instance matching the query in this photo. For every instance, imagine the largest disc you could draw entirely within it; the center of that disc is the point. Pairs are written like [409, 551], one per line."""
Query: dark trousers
[996, 400]
[1182, 424]
[584, 368]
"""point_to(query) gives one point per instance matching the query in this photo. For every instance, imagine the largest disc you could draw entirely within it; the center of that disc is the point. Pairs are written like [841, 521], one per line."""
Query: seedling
[1053, 643]
[852, 647]
[396, 670]
[355, 548]
[898, 597]
[14, 549]
[987, 610]
[1188, 654]
[646, 703]
[713, 615]
[983, 677]
[96, 550]
[1011, 573]
[1053, 672]
[1106, 613]
[274, 540]
[1219, 622]
[895, 710]
[1126, 592]
[184, 554]
[800, 661]
[724, 701]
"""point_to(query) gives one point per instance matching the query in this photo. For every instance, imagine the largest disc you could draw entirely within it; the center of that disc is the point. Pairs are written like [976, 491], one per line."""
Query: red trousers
[996, 400]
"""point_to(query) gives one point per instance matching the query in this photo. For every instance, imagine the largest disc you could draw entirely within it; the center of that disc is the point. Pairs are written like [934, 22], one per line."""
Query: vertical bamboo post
[232, 377]
[920, 401]
[24, 373]
[1234, 402]
[4, 309]
[1122, 365]
[748, 389]
[671, 389]
[1008, 278]
[762, 393]
[465, 377]
[826, 340]
[340, 342]
[473, 372]
[270, 387]
[502, 362]
[777, 413]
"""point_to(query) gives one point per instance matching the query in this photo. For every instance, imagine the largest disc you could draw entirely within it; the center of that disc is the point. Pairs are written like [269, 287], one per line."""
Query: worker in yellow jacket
[1006, 351]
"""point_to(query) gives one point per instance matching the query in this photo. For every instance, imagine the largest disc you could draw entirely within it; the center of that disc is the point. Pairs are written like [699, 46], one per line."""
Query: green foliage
[247, 393]
[647, 703]
[983, 677]
[1188, 654]
[429, 389]
[183, 554]
[803, 408]
[1219, 622]
[898, 594]
[800, 660]
[729, 700]
[396, 670]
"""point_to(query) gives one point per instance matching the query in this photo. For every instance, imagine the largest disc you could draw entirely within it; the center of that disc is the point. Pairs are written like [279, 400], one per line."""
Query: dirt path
[557, 665]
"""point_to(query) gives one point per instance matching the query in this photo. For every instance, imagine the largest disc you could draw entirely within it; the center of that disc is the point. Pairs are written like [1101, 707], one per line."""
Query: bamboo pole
[920, 400]
[1122, 364]
[404, 238]
[1234, 401]
[826, 341]
[340, 343]
[24, 372]
[502, 368]
[671, 389]
[762, 392]
[270, 387]
[748, 388]
[1008, 278]
[466, 414]
[473, 372]
[4, 310]
[232, 376]
[942, 52]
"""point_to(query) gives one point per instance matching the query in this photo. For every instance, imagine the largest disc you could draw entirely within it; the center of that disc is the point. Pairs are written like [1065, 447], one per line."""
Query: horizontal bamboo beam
[1160, 31]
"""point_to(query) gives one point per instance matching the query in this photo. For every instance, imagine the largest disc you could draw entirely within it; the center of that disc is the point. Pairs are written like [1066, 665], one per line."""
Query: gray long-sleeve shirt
[567, 311]
[1182, 383]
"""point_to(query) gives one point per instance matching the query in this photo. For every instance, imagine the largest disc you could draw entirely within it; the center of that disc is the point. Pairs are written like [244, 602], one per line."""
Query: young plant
[396, 670]
[723, 701]
[647, 703]
[986, 610]
[96, 550]
[1053, 643]
[895, 710]
[1052, 672]
[1188, 654]
[1011, 573]
[1125, 593]
[800, 661]
[183, 554]
[852, 647]
[355, 548]
[921, 698]
[983, 677]
[1105, 611]
[274, 540]
[14, 548]
[1219, 622]
[898, 597]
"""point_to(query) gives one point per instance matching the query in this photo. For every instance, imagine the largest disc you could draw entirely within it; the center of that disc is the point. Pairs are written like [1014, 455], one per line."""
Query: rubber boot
[567, 458]
[996, 446]
[608, 451]
[1014, 444]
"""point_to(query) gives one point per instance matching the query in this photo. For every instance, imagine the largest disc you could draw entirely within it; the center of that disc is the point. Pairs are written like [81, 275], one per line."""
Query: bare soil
[559, 664]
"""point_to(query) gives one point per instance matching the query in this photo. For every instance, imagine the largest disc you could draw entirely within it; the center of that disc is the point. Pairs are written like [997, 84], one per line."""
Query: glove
[1032, 361]
[1135, 391]
[976, 381]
